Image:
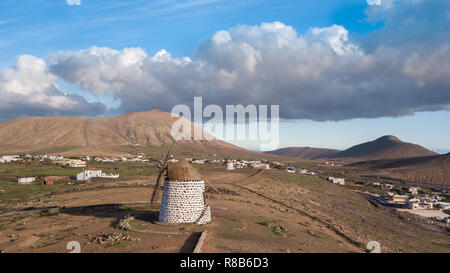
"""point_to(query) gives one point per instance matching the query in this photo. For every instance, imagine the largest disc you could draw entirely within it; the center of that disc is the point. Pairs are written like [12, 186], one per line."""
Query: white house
[334, 180]
[387, 186]
[444, 205]
[173, 160]
[89, 174]
[340, 181]
[113, 176]
[413, 203]
[109, 160]
[15, 158]
[26, 180]
[198, 161]
[6, 159]
[55, 158]
[414, 190]
[303, 171]
[416, 203]
[399, 199]
[73, 163]
[290, 169]
[77, 164]
[239, 165]
[260, 166]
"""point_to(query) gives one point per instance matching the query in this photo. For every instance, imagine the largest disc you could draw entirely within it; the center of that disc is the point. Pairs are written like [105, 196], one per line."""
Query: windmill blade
[168, 151]
[163, 167]
[156, 187]
[158, 180]
[212, 186]
[170, 147]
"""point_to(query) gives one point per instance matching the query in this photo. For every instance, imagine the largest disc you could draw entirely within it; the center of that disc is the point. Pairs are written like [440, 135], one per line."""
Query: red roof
[93, 170]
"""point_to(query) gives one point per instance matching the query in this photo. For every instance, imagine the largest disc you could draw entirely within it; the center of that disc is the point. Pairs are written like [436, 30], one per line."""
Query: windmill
[162, 165]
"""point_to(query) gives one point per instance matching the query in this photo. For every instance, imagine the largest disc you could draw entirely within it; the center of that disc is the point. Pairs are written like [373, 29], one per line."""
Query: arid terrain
[431, 170]
[253, 211]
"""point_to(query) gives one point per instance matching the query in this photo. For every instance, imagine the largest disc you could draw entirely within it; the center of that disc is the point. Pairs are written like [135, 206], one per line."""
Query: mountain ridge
[151, 128]
[385, 147]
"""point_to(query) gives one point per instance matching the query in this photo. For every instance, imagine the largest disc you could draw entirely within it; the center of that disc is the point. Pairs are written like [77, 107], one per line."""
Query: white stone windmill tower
[183, 196]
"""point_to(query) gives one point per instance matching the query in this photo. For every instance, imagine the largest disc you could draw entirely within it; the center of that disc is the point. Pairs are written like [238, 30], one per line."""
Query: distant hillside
[426, 169]
[304, 152]
[386, 147]
[97, 135]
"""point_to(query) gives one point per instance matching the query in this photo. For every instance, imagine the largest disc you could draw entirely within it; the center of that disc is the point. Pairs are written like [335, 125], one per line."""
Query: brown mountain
[386, 147]
[304, 152]
[425, 169]
[96, 136]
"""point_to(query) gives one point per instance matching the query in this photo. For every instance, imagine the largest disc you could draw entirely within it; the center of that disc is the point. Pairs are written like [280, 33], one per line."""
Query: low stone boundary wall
[201, 240]
[29, 212]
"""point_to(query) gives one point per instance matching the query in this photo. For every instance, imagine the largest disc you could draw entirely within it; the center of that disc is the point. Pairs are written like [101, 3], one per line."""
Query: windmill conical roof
[181, 171]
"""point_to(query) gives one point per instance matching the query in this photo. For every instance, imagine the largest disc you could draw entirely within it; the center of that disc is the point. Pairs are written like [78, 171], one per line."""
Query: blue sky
[39, 27]
[42, 28]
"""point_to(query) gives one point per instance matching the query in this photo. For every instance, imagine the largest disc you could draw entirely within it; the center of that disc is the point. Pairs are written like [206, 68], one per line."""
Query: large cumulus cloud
[29, 89]
[399, 69]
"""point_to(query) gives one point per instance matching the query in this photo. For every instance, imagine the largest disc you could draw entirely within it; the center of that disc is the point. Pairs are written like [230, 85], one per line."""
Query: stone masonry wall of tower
[183, 202]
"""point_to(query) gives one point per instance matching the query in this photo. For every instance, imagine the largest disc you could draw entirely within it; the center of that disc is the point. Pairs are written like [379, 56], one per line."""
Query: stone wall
[183, 202]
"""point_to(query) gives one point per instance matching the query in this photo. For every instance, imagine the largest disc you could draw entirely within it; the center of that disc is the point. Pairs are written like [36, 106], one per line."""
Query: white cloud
[163, 56]
[321, 75]
[374, 2]
[28, 88]
[28, 77]
[221, 37]
[337, 37]
[132, 56]
[73, 2]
